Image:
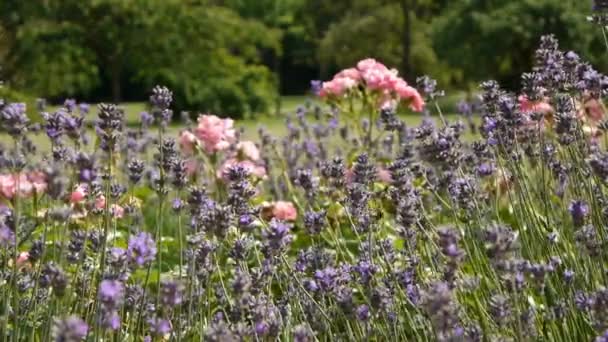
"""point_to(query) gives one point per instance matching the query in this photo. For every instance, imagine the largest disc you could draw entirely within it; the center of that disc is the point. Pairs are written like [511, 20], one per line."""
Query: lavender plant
[352, 226]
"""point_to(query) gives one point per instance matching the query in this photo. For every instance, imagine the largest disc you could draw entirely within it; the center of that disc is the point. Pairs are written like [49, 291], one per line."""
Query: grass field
[250, 126]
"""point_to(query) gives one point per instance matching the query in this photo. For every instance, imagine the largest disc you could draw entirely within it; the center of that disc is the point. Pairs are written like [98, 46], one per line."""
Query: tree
[207, 53]
[497, 39]
[395, 31]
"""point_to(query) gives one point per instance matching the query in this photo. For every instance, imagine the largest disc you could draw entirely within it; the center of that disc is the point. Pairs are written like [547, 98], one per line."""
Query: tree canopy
[234, 57]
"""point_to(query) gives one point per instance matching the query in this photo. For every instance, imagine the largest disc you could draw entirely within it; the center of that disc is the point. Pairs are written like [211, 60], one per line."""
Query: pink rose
[332, 88]
[215, 134]
[7, 186]
[527, 106]
[12, 185]
[100, 202]
[79, 194]
[417, 103]
[38, 181]
[384, 175]
[191, 167]
[594, 110]
[349, 175]
[370, 63]
[252, 168]
[23, 258]
[248, 150]
[117, 211]
[26, 188]
[283, 210]
[351, 73]
[187, 142]
[409, 93]
[374, 78]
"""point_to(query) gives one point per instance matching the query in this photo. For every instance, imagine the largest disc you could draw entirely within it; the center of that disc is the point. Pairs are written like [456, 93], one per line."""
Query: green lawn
[273, 123]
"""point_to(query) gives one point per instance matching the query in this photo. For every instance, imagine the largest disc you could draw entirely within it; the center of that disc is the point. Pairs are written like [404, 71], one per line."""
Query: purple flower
[301, 333]
[177, 204]
[464, 108]
[146, 118]
[261, 328]
[159, 326]
[84, 108]
[111, 293]
[110, 320]
[141, 249]
[7, 237]
[579, 210]
[245, 220]
[326, 278]
[277, 236]
[366, 271]
[363, 313]
[171, 293]
[314, 221]
[69, 104]
[70, 329]
[316, 86]
[485, 169]
[13, 118]
[333, 123]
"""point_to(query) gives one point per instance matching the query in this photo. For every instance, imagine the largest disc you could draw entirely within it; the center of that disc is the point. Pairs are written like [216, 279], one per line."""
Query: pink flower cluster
[22, 185]
[280, 210]
[283, 210]
[80, 194]
[212, 134]
[526, 106]
[590, 112]
[247, 156]
[374, 76]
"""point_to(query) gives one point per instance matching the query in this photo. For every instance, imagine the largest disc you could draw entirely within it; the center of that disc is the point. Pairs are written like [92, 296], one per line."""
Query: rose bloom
[351, 73]
[191, 167]
[337, 86]
[255, 170]
[100, 202]
[248, 150]
[593, 111]
[79, 194]
[384, 175]
[38, 180]
[409, 93]
[214, 133]
[11, 185]
[22, 259]
[527, 106]
[187, 141]
[285, 211]
[117, 211]
[370, 63]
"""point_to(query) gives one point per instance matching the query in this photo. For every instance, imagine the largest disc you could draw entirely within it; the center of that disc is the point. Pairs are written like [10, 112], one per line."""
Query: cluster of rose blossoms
[377, 79]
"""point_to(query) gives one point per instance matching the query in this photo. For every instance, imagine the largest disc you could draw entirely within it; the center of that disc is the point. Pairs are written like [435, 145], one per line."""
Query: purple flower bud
[579, 210]
[363, 313]
[316, 86]
[111, 293]
[141, 249]
[70, 329]
[159, 326]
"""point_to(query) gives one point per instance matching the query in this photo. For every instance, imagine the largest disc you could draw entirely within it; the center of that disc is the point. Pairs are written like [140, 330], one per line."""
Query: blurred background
[240, 58]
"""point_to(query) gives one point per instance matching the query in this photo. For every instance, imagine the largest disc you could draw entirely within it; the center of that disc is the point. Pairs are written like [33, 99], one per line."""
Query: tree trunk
[407, 7]
[115, 74]
[277, 72]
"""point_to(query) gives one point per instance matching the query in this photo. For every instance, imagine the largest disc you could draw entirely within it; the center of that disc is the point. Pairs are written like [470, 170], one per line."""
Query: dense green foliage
[234, 57]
